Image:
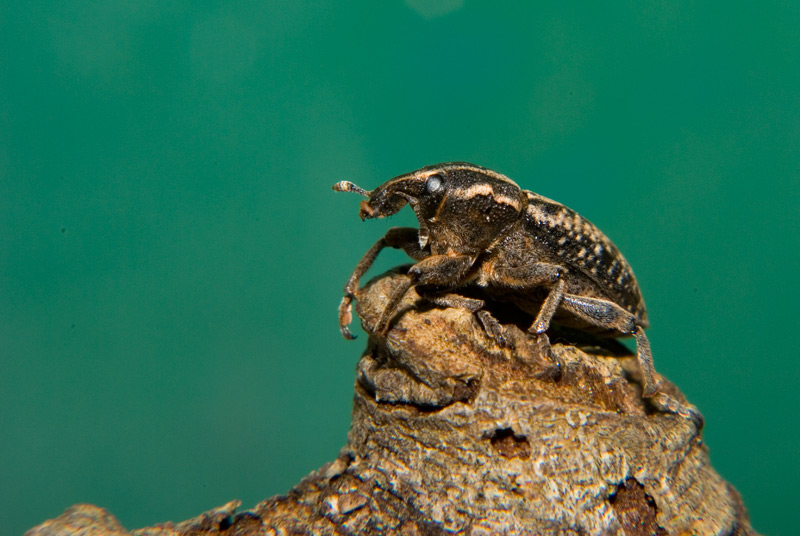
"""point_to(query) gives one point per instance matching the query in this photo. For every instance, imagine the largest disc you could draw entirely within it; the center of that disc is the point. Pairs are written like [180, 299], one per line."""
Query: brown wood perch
[452, 434]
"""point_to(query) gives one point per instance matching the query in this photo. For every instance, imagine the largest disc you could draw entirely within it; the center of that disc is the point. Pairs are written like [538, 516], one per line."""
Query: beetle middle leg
[529, 276]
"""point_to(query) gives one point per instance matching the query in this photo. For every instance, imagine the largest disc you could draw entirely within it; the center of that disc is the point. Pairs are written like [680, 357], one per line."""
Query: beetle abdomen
[575, 243]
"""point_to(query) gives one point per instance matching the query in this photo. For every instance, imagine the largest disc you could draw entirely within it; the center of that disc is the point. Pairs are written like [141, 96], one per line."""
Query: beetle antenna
[347, 186]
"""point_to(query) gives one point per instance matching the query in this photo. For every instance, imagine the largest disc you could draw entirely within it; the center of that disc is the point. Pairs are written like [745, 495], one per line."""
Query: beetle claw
[494, 329]
[346, 333]
[668, 404]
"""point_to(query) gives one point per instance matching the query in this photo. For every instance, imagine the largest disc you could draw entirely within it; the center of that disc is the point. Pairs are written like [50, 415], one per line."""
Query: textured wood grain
[452, 434]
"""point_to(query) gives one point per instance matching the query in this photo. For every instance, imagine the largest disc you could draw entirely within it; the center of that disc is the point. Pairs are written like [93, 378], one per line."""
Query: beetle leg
[494, 329]
[407, 239]
[442, 300]
[666, 403]
[345, 317]
[382, 324]
[515, 274]
[608, 315]
[534, 275]
[525, 276]
[345, 312]
[542, 323]
[433, 271]
[645, 358]
[457, 300]
[446, 271]
[404, 238]
[551, 303]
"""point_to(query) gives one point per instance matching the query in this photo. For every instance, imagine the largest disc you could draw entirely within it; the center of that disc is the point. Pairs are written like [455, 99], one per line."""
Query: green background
[172, 255]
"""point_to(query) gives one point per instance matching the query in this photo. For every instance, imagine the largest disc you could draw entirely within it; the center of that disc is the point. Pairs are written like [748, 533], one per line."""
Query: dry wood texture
[452, 434]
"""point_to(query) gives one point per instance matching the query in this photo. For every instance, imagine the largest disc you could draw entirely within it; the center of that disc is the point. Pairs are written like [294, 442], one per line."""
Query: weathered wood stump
[453, 434]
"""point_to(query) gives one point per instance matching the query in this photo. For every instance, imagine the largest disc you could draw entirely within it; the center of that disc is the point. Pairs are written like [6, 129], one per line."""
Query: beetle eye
[433, 184]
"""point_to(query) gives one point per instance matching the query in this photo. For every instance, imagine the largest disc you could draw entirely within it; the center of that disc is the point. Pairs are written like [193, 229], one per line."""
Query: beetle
[478, 228]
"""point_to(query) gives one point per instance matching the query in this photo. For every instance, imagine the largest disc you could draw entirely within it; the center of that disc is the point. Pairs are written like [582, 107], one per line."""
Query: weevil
[479, 228]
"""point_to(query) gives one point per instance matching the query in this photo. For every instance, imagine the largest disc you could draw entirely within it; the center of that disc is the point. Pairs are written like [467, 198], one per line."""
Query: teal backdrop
[172, 254]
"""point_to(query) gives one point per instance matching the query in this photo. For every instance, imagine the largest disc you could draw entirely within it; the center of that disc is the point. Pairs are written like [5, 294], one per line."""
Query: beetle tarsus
[345, 317]
[553, 366]
[645, 358]
[494, 329]
[668, 404]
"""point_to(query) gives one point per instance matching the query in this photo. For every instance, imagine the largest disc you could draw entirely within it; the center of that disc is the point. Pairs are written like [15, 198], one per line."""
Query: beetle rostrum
[479, 228]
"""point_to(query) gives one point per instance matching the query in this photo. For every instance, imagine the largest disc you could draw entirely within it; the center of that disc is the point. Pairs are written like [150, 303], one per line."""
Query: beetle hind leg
[608, 315]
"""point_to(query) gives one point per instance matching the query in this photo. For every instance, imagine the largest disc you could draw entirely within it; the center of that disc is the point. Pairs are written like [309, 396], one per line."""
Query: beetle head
[460, 207]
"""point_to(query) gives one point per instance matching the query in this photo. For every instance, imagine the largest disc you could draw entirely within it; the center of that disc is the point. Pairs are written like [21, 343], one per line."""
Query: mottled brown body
[559, 235]
[477, 228]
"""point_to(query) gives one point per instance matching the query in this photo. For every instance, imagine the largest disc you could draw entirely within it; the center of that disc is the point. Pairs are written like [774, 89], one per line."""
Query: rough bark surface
[453, 434]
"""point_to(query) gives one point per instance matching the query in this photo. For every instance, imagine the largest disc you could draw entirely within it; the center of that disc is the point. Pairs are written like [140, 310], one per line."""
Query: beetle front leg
[405, 238]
